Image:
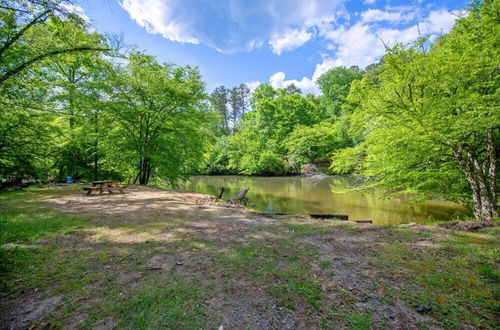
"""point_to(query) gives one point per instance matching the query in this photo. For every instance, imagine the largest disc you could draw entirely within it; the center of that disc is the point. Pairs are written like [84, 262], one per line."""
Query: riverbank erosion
[158, 259]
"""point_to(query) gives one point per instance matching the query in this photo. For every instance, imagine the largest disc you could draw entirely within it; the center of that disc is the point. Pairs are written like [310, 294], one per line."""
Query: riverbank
[330, 195]
[162, 259]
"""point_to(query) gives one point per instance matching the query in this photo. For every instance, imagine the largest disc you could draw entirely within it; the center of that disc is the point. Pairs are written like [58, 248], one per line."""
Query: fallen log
[363, 221]
[342, 217]
[271, 213]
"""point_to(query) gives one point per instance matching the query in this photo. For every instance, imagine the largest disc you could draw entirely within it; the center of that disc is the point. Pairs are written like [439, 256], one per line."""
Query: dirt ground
[252, 271]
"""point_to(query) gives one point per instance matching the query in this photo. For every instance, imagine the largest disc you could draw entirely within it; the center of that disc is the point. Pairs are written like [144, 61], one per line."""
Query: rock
[310, 169]
[422, 309]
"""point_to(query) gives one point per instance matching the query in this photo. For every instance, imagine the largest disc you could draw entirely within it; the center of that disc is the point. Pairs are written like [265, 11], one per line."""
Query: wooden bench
[240, 197]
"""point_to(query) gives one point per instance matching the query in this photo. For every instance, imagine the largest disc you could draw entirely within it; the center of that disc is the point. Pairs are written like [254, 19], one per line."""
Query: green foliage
[259, 146]
[271, 164]
[429, 119]
[81, 114]
[335, 85]
[315, 144]
[160, 117]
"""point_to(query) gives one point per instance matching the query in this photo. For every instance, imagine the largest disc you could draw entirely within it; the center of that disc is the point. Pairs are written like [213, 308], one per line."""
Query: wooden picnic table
[105, 185]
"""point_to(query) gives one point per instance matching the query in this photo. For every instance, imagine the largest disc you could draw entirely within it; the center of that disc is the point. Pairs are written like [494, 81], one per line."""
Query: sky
[269, 41]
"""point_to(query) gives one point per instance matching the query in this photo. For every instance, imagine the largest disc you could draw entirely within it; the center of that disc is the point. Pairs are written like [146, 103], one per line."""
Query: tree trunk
[481, 176]
[145, 170]
[96, 147]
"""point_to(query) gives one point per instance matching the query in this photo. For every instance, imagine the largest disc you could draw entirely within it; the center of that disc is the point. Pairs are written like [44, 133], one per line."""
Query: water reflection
[324, 195]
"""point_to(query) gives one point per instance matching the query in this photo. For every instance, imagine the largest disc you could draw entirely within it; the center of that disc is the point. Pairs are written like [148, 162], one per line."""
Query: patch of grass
[325, 263]
[22, 223]
[164, 305]
[294, 282]
[354, 321]
[282, 265]
[22, 226]
[456, 279]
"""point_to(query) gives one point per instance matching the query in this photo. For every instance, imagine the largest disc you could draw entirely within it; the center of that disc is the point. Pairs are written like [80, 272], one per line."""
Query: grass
[98, 264]
[175, 304]
[457, 280]
[22, 223]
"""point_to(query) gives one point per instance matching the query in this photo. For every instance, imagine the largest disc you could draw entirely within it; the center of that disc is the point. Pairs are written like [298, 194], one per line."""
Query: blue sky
[272, 41]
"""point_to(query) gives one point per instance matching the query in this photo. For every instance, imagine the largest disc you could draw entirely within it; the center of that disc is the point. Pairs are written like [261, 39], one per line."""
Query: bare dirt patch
[468, 225]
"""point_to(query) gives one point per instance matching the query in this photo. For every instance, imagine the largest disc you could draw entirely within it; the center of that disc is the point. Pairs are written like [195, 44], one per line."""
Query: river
[325, 195]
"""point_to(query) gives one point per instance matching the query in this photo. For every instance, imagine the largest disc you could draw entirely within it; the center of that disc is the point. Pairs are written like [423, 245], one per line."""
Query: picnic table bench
[108, 185]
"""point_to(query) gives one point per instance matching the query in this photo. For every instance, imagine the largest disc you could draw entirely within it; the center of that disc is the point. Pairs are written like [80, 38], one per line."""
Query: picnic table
[108, 185]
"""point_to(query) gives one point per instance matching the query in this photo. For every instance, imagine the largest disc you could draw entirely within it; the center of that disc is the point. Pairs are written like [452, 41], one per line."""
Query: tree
[26, 39]
[258, 147]
[335, 85]
[315, 144]
[33, 37]
[239, 101]
[219, 100]
[160, 112]
[431, 120]
[292, 89]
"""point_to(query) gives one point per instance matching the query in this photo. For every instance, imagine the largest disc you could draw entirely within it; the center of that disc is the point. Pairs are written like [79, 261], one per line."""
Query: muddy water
[325, 195]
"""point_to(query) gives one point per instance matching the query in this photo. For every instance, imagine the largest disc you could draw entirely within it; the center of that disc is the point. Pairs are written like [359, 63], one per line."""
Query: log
[271, 213]
[342, 217]
[363, 221]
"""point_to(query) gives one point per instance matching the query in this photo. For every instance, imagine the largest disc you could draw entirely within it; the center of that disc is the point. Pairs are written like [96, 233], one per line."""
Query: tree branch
[38, 58]
[40, 18]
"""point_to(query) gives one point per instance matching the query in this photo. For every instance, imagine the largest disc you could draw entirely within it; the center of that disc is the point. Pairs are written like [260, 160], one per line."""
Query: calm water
[325, 195]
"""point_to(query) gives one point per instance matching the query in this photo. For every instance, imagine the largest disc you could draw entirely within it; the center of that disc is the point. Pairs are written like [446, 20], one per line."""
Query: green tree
[431, 119]
[26, 39]
[315, 144]
[219, 100]
[160, 112]
[335, 85]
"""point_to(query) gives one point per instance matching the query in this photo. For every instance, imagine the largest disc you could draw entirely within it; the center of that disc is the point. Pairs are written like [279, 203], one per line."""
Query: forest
[423, 120]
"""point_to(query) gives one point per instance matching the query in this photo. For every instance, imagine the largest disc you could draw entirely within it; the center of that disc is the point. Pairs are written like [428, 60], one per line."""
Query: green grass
[281, 266]
[457, 280]
[22, 223]
[164, 304]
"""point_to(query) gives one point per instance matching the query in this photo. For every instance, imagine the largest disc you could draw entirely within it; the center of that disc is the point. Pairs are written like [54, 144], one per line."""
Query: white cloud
[438, 21]
[369, 2]
[377, 15]
[307, 85]
[361, 44]
[234, 25]
[253, 85]
[290, 40]
[74, 9]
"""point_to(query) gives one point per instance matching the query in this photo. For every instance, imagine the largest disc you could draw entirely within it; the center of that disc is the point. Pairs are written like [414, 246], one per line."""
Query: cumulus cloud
[369, 2]
[288, 41]
[307, 85]
[234, 25]
[362, 44]
[377, 15]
